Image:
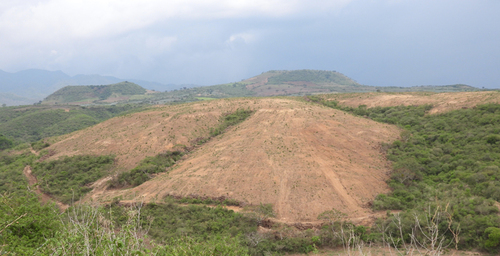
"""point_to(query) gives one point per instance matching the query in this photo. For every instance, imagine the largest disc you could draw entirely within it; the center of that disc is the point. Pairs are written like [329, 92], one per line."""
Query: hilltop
[289, 83]
[271, 83]
[80, 95]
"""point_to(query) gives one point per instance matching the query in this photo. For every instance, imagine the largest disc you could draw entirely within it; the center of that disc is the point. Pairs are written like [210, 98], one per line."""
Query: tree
[493, 237]
[5, 143]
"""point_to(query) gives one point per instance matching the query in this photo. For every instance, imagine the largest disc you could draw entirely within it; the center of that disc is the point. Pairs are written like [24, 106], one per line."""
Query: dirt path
[33, 151]
[45, 198]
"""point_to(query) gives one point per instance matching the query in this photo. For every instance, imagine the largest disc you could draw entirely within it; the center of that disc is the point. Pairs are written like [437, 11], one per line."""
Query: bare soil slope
[302, 158]
[135, 136]
[442, 101]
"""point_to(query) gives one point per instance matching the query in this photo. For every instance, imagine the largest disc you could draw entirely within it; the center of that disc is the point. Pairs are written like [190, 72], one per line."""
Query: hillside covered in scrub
[282, 174]
[81, 94]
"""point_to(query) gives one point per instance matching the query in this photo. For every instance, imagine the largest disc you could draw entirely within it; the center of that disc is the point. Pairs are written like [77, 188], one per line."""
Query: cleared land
[301, 157]
[442, 102]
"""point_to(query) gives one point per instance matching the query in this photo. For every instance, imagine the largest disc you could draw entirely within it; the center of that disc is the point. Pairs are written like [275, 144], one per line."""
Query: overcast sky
[375, 42]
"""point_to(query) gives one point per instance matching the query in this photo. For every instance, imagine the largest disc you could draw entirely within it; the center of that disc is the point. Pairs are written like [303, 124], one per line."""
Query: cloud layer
[206, 42]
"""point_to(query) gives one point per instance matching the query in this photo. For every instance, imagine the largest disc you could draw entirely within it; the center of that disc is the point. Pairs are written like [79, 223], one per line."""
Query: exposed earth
[442, 102]
[301, 157]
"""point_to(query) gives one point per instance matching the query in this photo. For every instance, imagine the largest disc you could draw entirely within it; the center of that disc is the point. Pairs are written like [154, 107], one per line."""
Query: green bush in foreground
[25, 223]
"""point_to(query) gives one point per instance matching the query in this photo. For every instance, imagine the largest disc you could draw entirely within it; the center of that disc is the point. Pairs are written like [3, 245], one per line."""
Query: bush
[146, 168]
[67, 179]
[25, 223]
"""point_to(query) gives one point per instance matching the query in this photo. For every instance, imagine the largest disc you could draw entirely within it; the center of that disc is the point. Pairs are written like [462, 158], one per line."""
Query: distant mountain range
[32, 85]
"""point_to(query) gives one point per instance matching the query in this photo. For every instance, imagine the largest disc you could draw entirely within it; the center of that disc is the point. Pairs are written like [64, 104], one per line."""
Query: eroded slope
[135, 136]
[302, 158]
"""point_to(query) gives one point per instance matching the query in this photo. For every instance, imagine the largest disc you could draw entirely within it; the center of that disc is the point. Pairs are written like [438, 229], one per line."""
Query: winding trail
[45, 198]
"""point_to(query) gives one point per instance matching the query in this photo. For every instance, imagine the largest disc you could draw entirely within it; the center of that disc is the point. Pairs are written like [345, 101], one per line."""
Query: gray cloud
[397, 43]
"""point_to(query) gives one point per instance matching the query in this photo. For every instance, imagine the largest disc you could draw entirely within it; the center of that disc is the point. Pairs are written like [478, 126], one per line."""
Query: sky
[206, 42]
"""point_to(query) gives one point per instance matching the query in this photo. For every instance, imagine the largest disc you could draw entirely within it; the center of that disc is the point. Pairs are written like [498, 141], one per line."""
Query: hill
[291, 154]
[36, 84]
[95, 94]
[32, 123]
[315, 162]
[271, 83]
[290, 83]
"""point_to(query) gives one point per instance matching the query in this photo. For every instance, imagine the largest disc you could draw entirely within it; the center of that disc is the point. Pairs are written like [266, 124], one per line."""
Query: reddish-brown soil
[442, 102]
[301, 157]
[133, 137]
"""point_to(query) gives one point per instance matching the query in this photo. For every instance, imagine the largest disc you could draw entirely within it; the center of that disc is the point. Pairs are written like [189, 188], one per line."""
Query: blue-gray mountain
[32, 85]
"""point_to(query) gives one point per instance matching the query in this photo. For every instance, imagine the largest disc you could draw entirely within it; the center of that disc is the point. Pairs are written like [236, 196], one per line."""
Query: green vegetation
[448, 160]
[199, 222]
[33, 123]
[230, 119]
[91, 93]
[5, 142]
[67, 179]
[275, 82]
[206, 225]
[193, 199]
[39, 145]
[25, 223]
[146, 168]
[314, 76]
[11, 170]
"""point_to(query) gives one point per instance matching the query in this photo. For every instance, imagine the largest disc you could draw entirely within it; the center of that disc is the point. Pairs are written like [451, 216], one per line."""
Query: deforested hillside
[136, 136]
[294, 170]
[300, 157]
[441, 102]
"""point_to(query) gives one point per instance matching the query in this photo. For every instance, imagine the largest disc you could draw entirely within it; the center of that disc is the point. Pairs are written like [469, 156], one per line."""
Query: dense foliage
[146, 168]
[11, 170]
[5, 142]
[67, 179]
[33, 123]
[28, 227]
[25, 223]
